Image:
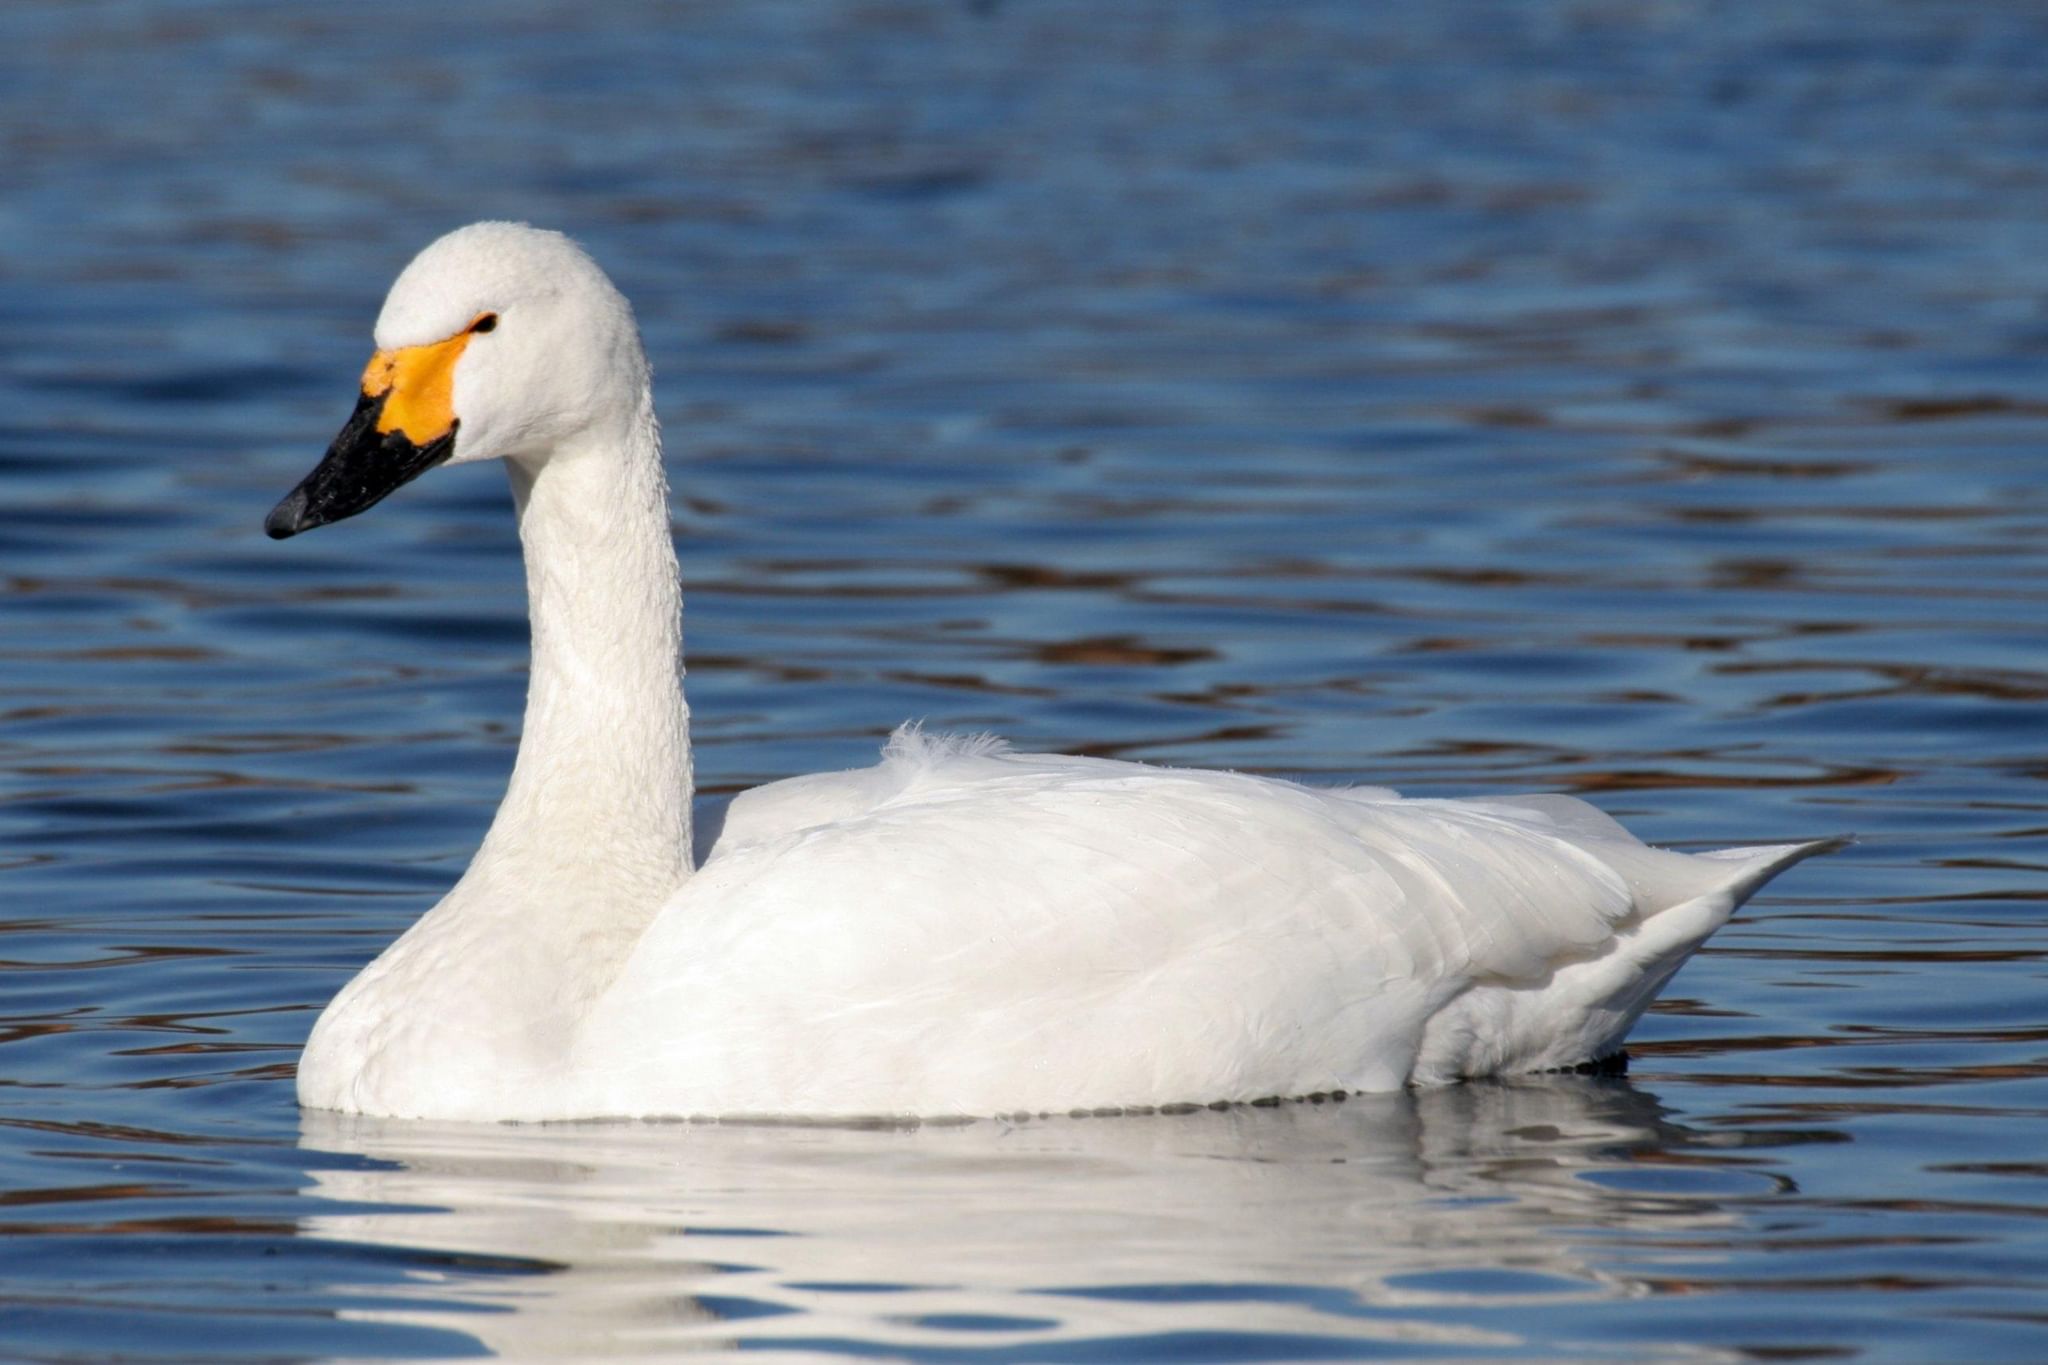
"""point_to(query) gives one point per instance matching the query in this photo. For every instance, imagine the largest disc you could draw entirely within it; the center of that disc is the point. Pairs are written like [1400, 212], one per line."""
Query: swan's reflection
[1365, 1218]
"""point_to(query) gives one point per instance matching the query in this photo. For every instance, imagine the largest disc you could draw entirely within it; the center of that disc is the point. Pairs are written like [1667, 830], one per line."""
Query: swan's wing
[974, 931]
[911, 759]
[767, 812]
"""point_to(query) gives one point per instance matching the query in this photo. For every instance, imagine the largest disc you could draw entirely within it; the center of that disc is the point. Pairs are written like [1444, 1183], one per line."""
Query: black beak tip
[288, 518]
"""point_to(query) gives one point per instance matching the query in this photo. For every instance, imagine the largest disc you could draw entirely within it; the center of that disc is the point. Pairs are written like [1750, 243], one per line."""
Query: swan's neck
[597, 815]
[593, 835]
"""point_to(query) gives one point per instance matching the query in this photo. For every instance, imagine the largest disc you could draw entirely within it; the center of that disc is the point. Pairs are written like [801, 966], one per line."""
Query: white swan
[957, 930]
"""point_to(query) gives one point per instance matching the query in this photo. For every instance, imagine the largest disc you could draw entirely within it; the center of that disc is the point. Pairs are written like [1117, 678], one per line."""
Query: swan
[957, 930]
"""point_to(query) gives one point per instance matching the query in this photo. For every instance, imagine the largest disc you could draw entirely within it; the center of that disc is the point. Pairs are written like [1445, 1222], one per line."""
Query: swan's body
[959, 930]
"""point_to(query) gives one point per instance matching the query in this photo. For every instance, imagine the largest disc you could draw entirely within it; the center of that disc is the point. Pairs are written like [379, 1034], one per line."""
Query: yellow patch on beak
[418, 387]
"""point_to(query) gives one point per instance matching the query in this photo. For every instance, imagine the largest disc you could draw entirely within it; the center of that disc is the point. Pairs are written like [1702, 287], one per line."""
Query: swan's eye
[487, 323]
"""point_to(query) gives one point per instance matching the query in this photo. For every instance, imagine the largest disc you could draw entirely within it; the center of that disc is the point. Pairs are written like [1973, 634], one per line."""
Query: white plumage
[960, 929]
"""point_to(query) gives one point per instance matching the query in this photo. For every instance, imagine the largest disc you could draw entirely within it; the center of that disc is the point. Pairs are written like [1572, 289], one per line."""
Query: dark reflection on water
[1640, 400]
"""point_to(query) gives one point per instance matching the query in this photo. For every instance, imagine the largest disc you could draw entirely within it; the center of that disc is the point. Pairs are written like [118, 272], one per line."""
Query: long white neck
[599, 802]
[593, 836]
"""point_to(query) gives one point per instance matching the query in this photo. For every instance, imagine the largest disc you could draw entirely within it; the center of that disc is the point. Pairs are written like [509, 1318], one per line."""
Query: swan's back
[965, 930]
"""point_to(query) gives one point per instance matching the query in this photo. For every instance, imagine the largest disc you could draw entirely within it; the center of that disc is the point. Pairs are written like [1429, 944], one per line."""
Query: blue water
[1646, 400]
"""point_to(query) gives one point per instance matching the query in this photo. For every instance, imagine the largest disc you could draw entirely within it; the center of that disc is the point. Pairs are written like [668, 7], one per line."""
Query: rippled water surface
[1641, 400]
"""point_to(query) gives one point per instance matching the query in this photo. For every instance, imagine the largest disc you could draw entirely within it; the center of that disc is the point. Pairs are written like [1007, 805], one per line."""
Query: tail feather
[1584, 1009]
[1618, 988]
[1761, 862]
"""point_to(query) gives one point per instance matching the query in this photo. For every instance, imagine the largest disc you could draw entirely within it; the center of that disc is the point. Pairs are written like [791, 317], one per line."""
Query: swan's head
[499, 340]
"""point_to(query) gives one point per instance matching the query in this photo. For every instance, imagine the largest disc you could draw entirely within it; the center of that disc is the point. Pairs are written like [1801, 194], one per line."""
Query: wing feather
[1141, 934]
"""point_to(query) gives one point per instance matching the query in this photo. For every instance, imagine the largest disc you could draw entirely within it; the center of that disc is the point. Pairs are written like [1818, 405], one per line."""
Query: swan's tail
[1618, 987]
[1582, 1010]
[1761, 862]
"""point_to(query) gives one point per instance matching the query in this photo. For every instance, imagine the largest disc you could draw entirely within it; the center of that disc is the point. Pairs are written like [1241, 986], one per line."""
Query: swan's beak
[404, 424]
